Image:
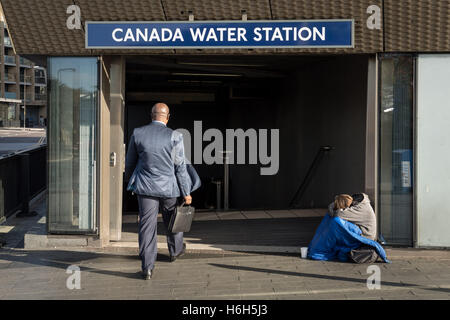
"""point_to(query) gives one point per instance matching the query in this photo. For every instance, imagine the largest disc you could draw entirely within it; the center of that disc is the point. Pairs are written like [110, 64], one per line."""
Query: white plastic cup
[304, 252]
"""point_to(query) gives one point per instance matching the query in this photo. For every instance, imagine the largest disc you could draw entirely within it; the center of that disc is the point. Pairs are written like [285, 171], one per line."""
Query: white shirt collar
[159, 122]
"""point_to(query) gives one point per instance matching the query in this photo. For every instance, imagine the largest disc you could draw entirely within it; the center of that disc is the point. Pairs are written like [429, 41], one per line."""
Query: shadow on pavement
[64, 259]
[326, 277]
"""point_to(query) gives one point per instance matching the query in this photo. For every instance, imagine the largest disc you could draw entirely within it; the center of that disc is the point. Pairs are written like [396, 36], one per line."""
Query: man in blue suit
[157, 172]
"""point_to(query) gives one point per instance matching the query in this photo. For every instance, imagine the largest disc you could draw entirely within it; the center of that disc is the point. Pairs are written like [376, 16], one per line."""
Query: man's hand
[188, 199]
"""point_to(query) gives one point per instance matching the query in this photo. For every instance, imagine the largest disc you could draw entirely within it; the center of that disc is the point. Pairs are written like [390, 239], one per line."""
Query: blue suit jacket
[156, 165]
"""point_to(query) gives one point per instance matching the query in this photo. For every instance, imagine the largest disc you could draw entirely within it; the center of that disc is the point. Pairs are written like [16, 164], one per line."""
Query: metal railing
[25, 62]
[10, 95]
[7, 42]
[25, 79]
[29, 97]
[10, 59]
[40, 97]
[309, 175]
[23, 175]
[40, 80]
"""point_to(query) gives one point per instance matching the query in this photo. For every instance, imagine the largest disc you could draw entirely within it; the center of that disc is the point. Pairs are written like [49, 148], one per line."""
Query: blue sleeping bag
[336, 237]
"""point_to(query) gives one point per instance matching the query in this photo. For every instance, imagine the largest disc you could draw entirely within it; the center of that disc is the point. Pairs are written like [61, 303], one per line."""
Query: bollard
[218, 184]
[226, 179]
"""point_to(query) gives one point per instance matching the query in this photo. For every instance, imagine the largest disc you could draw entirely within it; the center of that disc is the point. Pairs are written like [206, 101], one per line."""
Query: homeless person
[347, 232]
[358, 211]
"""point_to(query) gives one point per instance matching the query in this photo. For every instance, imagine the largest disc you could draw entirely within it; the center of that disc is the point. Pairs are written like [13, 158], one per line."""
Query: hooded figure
[360, 213]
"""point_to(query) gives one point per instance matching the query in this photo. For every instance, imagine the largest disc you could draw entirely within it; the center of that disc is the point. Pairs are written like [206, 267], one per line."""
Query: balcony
[25, 79]
[10, 77]
[29, 98]
[10, 60]
[40, 97]
[10, 95]
[25, 62]
[40, 80]
[7, 42]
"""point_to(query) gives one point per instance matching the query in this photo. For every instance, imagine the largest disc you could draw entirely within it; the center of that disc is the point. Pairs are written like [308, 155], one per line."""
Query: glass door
[73, 105]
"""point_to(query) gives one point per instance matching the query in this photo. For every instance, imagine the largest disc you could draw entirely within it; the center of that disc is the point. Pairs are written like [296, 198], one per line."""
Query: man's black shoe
[147, 274]
[173, 258]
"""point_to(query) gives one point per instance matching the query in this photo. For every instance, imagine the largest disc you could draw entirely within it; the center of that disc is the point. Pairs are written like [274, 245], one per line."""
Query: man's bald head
[160, 112]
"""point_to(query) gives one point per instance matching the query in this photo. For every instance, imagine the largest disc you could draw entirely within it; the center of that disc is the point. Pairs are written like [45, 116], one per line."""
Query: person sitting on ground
[347, 232]
[356, 209]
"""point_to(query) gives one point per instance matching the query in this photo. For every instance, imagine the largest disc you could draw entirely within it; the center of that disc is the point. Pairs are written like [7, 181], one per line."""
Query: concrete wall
[323, 103]
[433, 151]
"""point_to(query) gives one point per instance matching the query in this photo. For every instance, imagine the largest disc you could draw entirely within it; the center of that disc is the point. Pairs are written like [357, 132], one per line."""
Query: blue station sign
[220, 34]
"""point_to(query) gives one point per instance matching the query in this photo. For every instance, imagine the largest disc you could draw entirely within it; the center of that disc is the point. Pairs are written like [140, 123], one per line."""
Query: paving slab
[277, 214]
[206, 216]
[231, 215]
[256, 214]
[305, 213]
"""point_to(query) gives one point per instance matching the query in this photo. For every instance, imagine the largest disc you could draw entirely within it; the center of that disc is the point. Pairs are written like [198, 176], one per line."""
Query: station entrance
[313, 102]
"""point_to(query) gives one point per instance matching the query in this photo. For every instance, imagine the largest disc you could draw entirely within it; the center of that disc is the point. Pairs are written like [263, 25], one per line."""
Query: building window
[396, 149]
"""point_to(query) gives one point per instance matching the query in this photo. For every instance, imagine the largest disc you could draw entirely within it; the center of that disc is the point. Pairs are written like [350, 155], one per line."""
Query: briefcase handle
[184, 202]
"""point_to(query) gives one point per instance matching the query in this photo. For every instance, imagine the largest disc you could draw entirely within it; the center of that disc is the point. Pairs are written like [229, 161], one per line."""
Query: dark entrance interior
[314, 101]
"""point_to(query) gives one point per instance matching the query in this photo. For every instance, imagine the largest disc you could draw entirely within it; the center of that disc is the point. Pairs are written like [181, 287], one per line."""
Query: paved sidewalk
[41, 274]
[113, 273]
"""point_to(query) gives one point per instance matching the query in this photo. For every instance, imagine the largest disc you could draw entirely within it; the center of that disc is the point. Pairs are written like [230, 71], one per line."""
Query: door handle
[123, 157]
[112, 159]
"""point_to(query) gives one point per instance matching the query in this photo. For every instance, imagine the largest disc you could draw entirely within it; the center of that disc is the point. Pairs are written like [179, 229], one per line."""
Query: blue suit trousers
[148, 221]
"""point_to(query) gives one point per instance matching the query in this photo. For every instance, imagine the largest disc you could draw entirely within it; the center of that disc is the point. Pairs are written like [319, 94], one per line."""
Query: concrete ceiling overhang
[38, 27]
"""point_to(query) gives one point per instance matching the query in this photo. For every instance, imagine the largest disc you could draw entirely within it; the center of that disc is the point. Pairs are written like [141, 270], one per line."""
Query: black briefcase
[181, 220]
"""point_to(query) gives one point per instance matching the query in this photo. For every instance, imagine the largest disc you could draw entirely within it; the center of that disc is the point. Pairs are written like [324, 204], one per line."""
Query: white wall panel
[433, 151]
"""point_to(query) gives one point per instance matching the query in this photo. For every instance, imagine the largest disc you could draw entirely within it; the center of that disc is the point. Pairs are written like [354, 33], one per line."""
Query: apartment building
[23, 87]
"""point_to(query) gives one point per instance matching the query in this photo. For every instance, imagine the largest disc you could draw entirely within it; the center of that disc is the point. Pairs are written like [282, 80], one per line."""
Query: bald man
[156, 168]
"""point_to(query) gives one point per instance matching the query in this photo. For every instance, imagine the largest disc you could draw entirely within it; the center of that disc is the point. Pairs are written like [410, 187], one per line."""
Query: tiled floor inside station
[262, 230]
